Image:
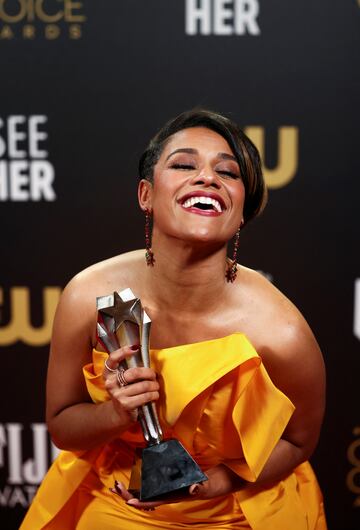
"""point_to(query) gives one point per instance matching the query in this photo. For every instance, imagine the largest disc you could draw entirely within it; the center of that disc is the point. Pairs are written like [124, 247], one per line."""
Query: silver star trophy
[163, 468]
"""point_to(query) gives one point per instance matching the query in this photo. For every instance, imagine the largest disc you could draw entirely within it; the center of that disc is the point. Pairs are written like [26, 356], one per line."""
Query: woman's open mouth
[203, 204]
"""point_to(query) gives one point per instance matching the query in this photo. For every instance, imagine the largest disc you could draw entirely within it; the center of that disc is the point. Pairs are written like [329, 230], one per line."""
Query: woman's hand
[131, 388]
[221, 481]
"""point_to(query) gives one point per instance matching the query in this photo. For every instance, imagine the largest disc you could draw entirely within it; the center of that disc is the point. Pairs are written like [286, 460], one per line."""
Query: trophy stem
[148, 424]
[163, 467]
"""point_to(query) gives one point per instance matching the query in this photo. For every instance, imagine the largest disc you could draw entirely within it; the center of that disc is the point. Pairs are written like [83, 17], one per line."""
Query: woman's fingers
[131, 398]
[139, 373]
[197, 489]
[147, 506]
[131, 374]
[129, 388]
[132, 389]
[115, 357]
[120, 490]
[141, 387]
[133, 403]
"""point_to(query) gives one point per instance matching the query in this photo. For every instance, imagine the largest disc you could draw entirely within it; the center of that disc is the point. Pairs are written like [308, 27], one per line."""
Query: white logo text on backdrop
[221, 17]
[23, 477]
[25, 172]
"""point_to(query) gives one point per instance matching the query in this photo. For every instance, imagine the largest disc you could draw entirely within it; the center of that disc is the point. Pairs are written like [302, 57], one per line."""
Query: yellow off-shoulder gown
[218, 400]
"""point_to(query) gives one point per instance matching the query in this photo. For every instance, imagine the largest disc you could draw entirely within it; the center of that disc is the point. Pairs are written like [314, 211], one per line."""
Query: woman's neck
[186, 278]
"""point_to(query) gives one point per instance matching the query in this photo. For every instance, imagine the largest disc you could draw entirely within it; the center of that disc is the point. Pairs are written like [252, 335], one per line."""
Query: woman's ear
[145, 195]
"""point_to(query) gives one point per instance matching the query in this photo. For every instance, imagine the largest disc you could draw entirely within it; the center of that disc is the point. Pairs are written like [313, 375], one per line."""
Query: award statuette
[165, 467]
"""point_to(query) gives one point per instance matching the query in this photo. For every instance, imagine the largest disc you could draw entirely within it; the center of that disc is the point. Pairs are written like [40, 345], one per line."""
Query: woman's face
[197, 193]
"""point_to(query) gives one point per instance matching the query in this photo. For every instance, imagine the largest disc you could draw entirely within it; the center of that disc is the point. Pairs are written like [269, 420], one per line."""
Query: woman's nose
[207, 178]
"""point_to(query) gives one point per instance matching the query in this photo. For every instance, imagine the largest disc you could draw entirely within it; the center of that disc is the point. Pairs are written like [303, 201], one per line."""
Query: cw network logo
[353, 454]
[29, 19]
[222, 17]
[19, 327]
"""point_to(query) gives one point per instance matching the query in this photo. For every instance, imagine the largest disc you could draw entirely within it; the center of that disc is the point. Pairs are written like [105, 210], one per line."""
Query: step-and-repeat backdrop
[83, 86]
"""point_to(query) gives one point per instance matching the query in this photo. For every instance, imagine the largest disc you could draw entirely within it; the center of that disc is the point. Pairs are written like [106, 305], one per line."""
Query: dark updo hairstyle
[244, 150]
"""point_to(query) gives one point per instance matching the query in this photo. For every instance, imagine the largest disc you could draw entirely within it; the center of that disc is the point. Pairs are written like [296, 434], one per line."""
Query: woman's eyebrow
[189, 150]
[226, 156]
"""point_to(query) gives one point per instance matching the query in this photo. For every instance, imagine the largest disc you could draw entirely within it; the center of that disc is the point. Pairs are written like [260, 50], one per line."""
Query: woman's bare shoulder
[103, 278]
[284, 340]
[278, 323]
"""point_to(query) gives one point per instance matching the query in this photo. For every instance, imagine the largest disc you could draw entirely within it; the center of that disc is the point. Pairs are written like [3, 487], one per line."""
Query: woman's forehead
[199, 139]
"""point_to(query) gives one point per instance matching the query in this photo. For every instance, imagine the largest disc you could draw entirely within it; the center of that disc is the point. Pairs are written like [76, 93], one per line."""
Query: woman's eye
[227, 173]
[182, 166]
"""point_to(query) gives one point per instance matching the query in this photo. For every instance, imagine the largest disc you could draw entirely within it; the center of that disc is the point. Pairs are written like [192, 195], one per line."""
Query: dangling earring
[231, 269]
[149, 255]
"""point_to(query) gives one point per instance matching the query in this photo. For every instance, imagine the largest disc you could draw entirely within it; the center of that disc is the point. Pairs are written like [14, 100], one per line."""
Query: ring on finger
[121, 377]
[108, 367]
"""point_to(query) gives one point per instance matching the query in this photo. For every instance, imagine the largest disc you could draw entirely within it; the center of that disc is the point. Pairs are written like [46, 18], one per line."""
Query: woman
[236, 372]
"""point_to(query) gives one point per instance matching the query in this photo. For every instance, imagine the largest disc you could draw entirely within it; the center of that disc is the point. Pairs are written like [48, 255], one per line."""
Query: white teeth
[216, 205]
[203, 200]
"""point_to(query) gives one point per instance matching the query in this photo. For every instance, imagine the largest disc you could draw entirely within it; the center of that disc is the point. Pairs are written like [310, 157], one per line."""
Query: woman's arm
[74, 421]
[295, 365]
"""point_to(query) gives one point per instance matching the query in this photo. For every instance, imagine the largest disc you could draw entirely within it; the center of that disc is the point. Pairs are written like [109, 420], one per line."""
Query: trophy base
[167, 470]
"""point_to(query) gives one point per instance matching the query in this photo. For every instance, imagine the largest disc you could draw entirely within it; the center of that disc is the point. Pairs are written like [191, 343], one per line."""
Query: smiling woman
[236, 373]
[239, 149]
[202, 181]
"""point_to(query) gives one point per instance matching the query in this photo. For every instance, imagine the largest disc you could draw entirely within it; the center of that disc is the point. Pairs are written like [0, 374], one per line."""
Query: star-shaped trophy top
[120, 310]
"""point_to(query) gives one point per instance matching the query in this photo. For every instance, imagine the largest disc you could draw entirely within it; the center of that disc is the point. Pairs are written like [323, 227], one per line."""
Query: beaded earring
[231, 268]
[149, 255]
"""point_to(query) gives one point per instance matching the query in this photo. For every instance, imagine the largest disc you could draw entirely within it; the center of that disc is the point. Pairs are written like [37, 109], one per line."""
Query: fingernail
[195, 490]
[134, 347]
[131, 502]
